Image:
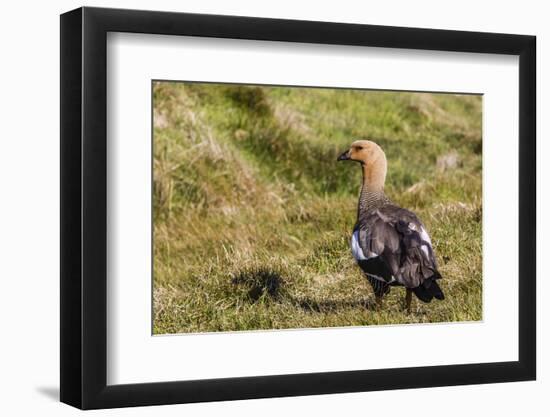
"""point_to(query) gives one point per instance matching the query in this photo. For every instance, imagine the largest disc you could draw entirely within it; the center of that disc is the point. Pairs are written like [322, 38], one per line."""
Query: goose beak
[344, 156]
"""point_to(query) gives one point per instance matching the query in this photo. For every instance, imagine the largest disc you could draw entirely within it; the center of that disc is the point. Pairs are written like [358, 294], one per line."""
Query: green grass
[253, 215]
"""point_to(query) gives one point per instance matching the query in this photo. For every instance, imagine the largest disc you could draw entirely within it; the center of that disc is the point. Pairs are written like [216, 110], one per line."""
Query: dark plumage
[390, 243]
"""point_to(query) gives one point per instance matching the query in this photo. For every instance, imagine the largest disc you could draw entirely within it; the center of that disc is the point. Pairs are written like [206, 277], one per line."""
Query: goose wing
[392, 243]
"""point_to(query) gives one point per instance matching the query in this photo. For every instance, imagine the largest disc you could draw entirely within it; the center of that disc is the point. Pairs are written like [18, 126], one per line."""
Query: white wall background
[29, 209]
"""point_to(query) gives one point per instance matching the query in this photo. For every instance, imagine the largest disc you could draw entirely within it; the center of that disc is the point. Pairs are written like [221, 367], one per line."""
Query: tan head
[372, 159]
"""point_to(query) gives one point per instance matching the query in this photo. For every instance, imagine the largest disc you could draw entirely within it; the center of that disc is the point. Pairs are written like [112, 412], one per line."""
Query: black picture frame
[84, 207]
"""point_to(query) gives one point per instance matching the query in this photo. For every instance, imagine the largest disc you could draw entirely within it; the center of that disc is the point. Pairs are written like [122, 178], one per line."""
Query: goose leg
[378, 302]
[408, 299]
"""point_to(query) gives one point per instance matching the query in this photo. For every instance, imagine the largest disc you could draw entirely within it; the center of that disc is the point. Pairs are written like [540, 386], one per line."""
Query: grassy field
[253, 215]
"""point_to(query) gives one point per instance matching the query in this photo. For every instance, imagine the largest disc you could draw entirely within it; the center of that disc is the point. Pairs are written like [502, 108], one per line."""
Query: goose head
[363, 151]
[372, 158]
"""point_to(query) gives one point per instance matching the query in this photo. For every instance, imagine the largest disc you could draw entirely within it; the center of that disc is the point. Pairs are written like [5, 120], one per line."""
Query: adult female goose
[390, 243]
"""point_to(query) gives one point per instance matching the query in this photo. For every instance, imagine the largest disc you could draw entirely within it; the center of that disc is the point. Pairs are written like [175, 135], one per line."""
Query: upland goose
[389, 243]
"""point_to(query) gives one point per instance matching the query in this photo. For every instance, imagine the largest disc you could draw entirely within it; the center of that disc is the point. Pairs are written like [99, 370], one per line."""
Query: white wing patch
[356, 249]
[426, 238]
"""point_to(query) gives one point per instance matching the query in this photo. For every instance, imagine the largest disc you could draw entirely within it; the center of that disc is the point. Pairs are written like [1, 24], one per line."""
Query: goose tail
[429, 289]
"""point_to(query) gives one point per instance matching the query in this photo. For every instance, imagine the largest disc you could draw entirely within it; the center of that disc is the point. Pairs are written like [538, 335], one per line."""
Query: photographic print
[278, 207]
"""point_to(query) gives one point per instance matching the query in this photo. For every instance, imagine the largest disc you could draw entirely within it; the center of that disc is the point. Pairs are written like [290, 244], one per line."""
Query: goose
[389, 243]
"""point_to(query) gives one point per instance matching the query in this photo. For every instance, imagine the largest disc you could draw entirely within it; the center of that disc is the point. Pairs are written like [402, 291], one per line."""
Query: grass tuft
[260, 283]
